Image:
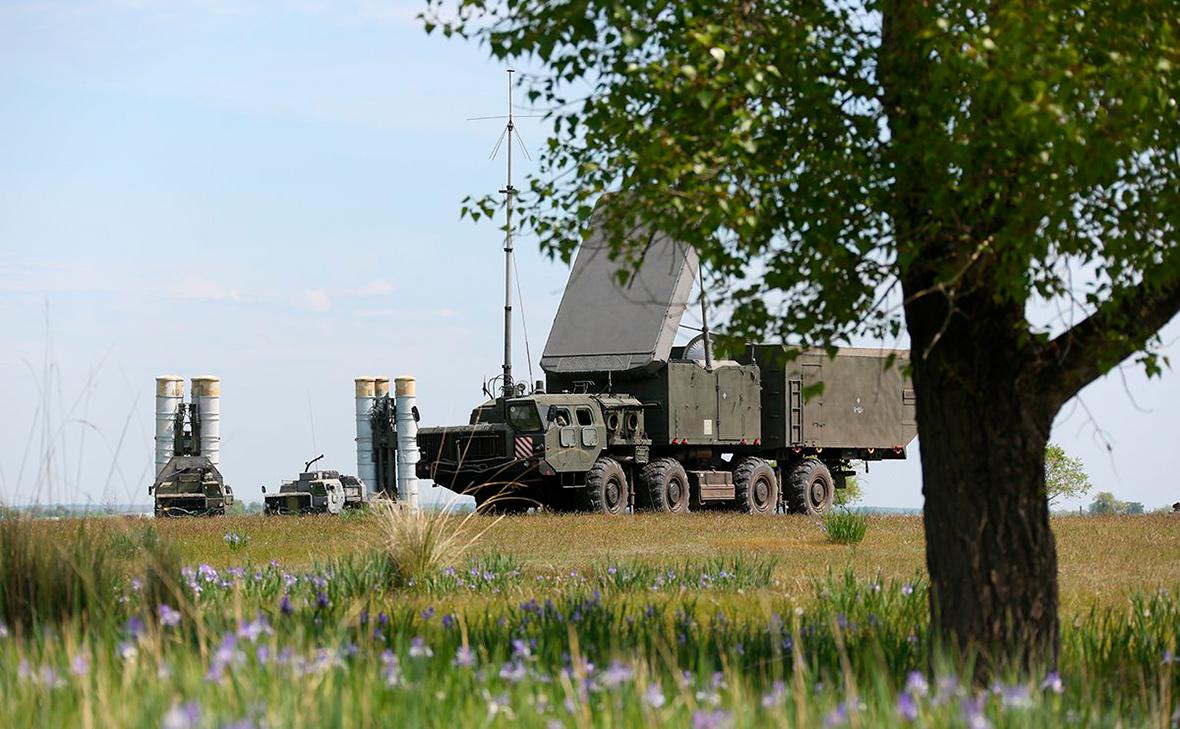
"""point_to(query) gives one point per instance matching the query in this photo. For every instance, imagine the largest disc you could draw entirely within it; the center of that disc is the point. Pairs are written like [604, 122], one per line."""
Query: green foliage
[845, 527]
[1065, 477]
[1105, 503]
[851, 493]
[816, 160]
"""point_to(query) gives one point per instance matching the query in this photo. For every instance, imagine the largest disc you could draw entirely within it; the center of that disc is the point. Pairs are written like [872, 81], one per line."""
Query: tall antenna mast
[509, 191]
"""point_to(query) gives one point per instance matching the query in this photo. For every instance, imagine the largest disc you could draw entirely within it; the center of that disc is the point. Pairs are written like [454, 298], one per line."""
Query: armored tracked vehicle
[316, 492]
[626, 420]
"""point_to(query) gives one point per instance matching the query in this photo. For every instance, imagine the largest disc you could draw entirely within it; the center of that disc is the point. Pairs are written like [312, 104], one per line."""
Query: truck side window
[584, 417]
[563, 417]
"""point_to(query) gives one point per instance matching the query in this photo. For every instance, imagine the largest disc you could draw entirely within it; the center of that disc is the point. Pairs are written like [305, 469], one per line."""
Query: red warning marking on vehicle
[524, 446]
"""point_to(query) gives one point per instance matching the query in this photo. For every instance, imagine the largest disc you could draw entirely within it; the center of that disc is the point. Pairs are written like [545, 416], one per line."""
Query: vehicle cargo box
[863, 404]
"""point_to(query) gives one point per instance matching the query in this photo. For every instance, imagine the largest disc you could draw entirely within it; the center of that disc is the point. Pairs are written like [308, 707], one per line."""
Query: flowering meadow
[132, 636]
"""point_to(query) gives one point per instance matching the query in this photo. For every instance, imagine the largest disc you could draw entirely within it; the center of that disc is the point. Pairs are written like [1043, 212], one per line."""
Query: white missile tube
[407, 441]
[169, 394]
[366, 469]
[207, 398]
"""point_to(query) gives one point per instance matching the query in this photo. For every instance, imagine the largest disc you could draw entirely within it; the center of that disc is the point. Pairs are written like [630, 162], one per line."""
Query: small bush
[421, 544]
[845, 527]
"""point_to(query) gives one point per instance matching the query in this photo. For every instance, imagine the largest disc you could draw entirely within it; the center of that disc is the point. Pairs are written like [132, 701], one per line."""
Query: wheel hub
[818, 493]
[674, 492]
[613, 493]
[761, 492]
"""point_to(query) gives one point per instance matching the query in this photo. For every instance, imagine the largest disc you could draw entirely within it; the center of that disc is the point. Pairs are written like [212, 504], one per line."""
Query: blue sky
[269, 192]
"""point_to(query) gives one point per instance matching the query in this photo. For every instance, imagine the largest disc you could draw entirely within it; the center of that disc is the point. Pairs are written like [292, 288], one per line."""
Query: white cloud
[374, 288]
[314, 300]
[202, 289]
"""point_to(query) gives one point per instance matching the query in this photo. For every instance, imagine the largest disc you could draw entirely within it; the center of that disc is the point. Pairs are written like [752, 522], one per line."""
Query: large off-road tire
[606, 488]
[809, 488]
[664, 486]
[755, 487]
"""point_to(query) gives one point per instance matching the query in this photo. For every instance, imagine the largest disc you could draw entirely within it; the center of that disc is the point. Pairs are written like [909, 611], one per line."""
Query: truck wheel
[810, 489]
[665, 485]
[755, 487]
[606, 488]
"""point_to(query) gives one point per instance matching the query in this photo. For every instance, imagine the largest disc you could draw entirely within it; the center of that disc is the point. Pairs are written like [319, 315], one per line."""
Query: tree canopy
[1065, 476]
[949, 168]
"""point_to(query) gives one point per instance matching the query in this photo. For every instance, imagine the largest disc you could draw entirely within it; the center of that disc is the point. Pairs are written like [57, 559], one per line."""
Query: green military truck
[625, 420]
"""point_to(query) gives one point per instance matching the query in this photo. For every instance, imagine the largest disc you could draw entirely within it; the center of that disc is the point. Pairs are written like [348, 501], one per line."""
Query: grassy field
[1102, 559]
[708, 620]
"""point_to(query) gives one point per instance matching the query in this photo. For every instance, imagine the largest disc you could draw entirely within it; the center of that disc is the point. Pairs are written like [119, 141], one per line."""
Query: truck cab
[527, 450]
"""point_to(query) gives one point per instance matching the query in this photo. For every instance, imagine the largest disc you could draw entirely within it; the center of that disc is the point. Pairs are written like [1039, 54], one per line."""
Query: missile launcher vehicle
[190, 483]
[316, 492]
[625, 420]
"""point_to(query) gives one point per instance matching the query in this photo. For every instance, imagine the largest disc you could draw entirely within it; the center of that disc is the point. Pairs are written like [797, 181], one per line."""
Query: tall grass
[419, 543]
[845, 527]
[54, 572]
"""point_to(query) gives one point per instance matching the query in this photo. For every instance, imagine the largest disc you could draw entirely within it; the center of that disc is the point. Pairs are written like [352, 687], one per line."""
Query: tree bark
[990, 552]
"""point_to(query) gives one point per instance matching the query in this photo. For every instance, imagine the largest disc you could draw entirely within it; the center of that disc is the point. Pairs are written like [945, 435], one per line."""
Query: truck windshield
[524, 417]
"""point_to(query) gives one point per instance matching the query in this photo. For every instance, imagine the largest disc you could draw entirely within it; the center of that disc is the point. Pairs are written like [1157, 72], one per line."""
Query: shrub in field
[421, 544]
[236, 541]
[845, 527]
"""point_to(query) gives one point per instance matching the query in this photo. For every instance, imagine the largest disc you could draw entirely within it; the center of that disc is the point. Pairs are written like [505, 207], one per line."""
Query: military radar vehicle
[625, 419]
[316, 492]
[189, 483]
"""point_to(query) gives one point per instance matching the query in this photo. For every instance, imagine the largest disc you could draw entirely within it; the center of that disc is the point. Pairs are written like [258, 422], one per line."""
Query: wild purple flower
[520, 649]
[168, 616]
[182, 716]
[134, 626]
[255, 629]
[654, 696]
[419, 649]
[382, 619]
[907, 590]
[207, 573]
[321, 600]
[427, 614]
[136, 584]
[262, 654]
[718, 680]
[1053, 683]
[3, 630]
[222, 658]
[1015, 697]
[79, 666]
[448, 620]
[285, 605]
[464, 657]
[616, 674]
[778, 693]
[907, 708]
[390, 668]
[1169, 657]
[612, 570]
[449, 571]
[49, 678]
[973, 714]
[512, 671]
[364, 617]
[126, 650]
[837, 717]
[916, 685]
[716, 719]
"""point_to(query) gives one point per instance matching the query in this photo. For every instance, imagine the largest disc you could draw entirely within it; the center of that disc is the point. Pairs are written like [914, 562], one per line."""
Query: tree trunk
[990, 551]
